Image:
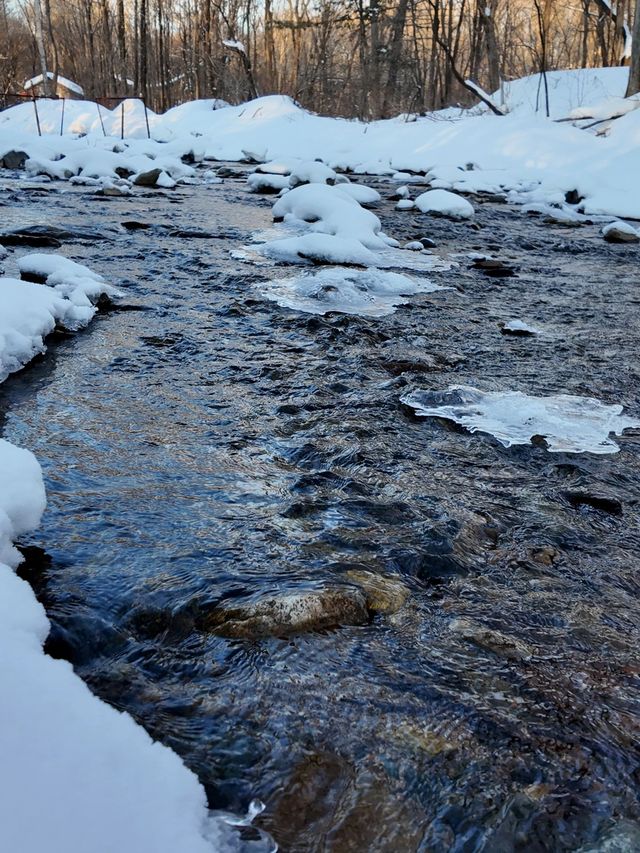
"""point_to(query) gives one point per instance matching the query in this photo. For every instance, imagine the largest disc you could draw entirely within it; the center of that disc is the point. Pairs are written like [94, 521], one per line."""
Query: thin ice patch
[368, 293]
[568, 424]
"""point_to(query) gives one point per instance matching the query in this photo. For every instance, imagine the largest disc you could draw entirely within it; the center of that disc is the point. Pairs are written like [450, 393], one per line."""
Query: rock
[604, 503]
[15, 159]
[293, 613]
[112, 191]
[414, 245]
[383, 593]
[573, 197]
[147, 179]
[123, 171]
[620, 232]
[495, 641]
[48, 235]
[493, 267]
[134, 225]
[427, 242]
[227, 172]
[405, 204]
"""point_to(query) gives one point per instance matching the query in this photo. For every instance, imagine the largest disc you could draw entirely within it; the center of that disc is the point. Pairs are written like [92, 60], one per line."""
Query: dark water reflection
[214, 446]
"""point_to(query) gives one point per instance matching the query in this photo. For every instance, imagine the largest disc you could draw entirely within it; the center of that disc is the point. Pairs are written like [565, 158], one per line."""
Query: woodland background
[364, 58]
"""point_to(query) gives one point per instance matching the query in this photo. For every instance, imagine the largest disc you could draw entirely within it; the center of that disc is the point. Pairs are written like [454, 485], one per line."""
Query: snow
[519, 327]
[444, 203]
[311, 172]
[569, 424]
[370, 293]
[523, 154]
[260, 183]
[75, 282]
[29, 312]
[63, 81]
[329, 210]
[234, 45]
[321, 249]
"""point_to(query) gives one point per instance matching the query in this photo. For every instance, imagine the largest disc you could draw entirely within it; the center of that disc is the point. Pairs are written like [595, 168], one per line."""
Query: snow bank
[523, 153]
[370, 293]
[568, 424]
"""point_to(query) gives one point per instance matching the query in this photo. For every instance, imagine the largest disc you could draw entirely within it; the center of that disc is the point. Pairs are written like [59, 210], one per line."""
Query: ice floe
[368, 293]
[567, 424]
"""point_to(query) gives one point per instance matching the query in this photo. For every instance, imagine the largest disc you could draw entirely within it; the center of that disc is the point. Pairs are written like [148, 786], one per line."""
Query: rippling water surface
[207, 446]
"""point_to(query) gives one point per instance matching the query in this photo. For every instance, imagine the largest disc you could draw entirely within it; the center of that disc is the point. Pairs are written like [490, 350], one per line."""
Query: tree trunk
[37, 8]
[634, 71]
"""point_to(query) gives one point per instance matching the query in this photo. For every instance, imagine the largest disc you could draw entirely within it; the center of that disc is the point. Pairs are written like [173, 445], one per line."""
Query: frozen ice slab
[368, 293]
[568, 424]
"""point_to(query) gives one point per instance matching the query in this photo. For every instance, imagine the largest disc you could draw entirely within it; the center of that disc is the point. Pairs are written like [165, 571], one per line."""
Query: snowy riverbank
[523, 154]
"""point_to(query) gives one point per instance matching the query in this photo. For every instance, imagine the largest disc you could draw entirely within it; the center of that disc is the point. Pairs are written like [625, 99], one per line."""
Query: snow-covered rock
[320, 249]
[444, 203]
[311, 172]
[267, 183]
[620, 232]
[75, 282]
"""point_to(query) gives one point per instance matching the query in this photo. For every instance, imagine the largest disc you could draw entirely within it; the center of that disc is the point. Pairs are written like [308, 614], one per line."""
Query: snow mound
[328, 210]
[320, 249]
[311, 172]
[78, 284]
[444, 203]
[568, 424]
[28, 313]
[370, 293]
[267, 183]
[358, 192]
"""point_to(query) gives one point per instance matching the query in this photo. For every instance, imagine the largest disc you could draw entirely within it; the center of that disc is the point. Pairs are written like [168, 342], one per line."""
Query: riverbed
[202, 445]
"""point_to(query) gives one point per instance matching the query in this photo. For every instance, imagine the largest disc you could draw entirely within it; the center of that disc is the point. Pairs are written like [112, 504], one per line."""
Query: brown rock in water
[147, 179]
[293, 613]
[384, 594]
[494, 641]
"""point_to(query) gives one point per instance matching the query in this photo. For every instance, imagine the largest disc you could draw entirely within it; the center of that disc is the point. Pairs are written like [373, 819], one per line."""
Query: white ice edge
[569, 424]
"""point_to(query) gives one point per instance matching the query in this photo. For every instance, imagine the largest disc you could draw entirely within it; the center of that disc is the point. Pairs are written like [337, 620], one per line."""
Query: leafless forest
[366, 58]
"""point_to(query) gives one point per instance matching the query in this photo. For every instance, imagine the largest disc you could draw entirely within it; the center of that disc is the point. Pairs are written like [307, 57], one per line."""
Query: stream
[203, 445]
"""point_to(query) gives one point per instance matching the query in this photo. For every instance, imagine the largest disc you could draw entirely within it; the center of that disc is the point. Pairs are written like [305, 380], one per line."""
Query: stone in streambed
[620, 232]
[147, 179]
[384, 594]
[292, 613]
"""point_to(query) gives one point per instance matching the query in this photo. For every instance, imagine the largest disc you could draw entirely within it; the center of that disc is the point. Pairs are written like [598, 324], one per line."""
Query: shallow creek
[206, 446]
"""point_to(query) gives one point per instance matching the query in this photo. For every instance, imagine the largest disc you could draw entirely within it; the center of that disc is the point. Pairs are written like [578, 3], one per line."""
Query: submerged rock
[494, 641]
[293, 613]
[384, 594]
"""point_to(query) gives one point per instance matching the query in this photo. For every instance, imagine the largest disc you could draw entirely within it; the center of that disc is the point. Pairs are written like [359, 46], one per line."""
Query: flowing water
[205, 447]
